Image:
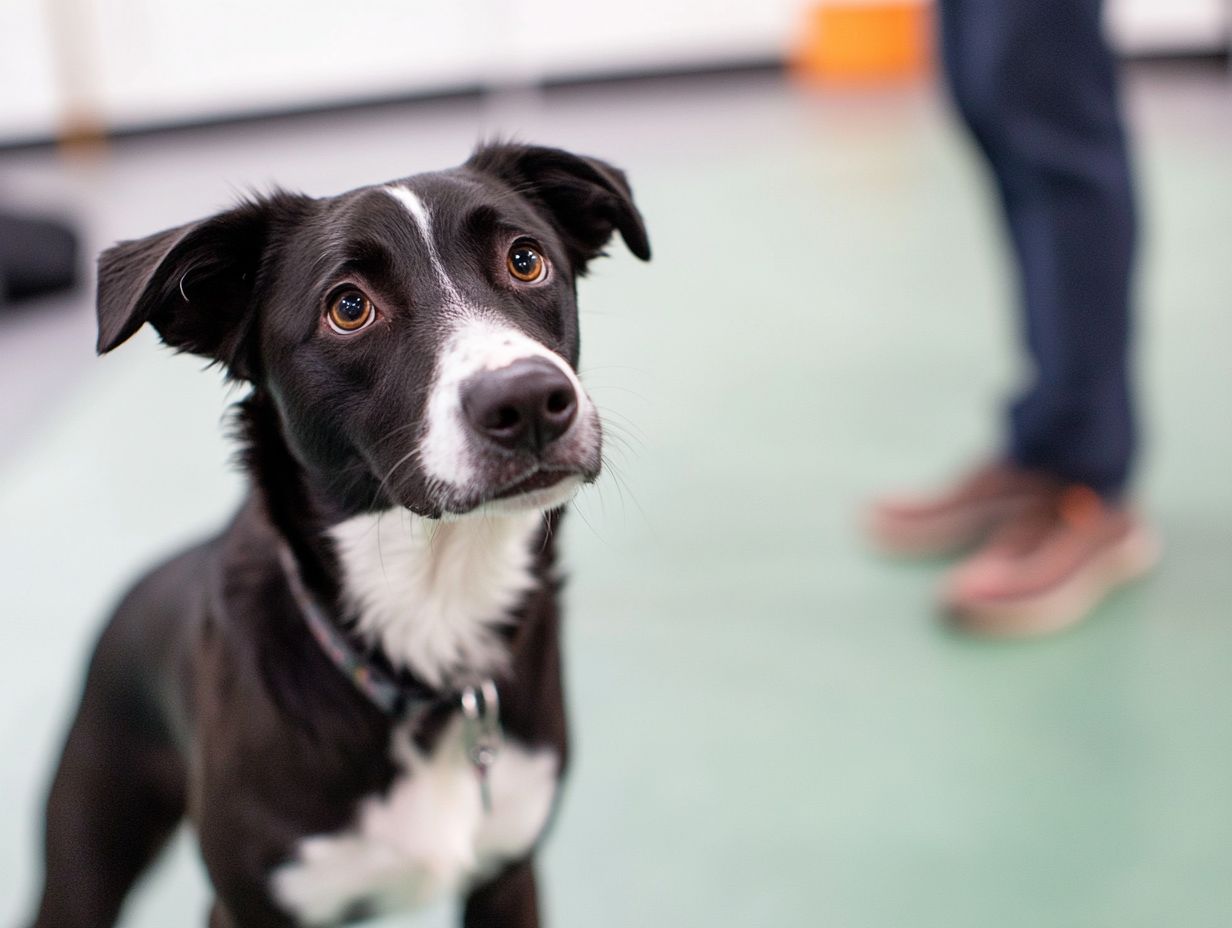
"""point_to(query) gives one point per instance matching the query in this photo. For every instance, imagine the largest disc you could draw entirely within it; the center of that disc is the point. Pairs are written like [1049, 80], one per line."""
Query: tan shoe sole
[1070, 601]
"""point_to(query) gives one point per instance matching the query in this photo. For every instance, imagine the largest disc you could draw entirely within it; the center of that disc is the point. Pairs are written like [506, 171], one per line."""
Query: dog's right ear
[194, 284]
[588, 199]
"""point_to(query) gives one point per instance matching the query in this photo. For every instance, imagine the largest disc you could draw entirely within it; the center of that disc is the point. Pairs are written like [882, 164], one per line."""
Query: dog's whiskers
[395, 433]
[384, 484]
[581, 515]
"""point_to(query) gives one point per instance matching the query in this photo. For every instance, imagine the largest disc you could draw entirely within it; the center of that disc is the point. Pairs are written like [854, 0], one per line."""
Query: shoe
[957, 518]
[1049, 565]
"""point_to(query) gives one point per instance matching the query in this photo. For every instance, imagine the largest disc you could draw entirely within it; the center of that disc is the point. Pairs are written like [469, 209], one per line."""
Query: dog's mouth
[536, 488]
[539, 478]
[539, 488]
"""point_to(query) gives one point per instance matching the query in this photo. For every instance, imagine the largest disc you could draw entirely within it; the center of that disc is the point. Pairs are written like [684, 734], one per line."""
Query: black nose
[526, 406]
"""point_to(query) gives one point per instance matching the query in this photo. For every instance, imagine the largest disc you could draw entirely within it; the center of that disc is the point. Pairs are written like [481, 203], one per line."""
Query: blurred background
[773, 728]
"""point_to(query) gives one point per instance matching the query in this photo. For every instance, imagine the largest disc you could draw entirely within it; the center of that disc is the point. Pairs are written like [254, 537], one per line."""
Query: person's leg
[1035, 81]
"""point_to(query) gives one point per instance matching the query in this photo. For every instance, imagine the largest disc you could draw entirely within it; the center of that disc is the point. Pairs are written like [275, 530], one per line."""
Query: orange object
[1081, 507]
[848, 41]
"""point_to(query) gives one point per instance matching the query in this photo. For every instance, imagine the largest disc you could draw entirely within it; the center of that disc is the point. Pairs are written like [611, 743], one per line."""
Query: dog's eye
[349, 311]
[526, 264]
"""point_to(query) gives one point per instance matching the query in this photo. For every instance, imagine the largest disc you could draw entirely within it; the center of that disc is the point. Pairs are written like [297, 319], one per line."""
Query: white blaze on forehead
[477, 344]
[415, 206]
[423, 220]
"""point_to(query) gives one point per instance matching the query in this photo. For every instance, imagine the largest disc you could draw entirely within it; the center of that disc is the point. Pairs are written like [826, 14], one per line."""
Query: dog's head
[419, 339]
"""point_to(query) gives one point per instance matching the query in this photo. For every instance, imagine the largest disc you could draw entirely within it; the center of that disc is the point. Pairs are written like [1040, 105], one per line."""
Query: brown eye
[349, 311]
[526, 264]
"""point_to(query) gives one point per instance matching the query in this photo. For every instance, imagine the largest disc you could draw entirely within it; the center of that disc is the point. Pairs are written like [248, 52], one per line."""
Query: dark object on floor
[37, 257]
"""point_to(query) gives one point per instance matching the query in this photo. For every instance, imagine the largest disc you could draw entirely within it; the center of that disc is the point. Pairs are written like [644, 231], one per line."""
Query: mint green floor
[773, 729]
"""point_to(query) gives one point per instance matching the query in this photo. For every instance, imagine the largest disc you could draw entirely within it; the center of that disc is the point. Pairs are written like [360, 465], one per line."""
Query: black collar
[479, 702]
[380, 688]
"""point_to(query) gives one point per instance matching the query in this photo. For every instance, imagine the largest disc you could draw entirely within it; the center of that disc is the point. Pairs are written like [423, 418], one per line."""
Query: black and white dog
[322, 688]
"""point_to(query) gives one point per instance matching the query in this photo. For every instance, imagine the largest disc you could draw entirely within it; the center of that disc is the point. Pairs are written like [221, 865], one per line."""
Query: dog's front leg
[508, 900]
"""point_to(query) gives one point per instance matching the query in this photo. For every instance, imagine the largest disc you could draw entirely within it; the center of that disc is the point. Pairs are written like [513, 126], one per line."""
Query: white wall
[138, 62]
[155, 61]
[1161, 26]
[28, 90]
[553, 38]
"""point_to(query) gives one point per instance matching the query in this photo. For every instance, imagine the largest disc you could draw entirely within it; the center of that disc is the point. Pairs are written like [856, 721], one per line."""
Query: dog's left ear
[194, 284]
[588, 199]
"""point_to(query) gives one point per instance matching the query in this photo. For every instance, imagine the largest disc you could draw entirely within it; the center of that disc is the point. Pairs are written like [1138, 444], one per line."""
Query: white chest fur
[433, 593]
[427, 836]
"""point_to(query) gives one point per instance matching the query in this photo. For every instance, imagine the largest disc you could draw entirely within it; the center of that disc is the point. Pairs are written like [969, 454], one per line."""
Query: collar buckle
[482, 732]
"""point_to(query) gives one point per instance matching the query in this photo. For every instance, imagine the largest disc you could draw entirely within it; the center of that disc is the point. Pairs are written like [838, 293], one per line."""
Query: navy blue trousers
[1036, 84]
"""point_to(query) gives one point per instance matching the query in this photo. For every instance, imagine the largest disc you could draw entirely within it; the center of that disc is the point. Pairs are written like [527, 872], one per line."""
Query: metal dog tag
[482, 732]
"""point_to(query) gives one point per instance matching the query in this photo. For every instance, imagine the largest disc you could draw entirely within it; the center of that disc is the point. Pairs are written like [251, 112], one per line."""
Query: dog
[353, 692]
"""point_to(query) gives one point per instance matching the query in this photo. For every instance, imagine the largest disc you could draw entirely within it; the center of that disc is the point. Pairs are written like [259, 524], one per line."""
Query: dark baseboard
[1214, 58]
[650, 77]
[452, 95]
[474, 93]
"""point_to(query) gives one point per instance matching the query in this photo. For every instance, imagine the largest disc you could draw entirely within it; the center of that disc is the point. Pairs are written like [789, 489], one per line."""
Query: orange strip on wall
[846, 42]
